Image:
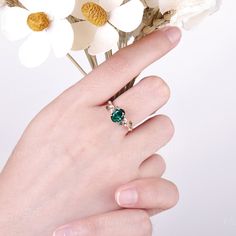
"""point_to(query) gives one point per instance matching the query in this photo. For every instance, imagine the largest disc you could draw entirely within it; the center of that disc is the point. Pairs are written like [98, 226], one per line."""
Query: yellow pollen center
[94, 13]
[38, 21]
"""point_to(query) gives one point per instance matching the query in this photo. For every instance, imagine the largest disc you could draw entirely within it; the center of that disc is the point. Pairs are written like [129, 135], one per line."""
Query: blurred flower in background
[2, 6]
[45, 27]
[101, 21]
[188, 13]
[95, 26]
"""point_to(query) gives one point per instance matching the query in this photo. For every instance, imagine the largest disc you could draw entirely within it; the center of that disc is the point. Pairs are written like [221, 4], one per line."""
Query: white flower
[191, 12]
[45, 25]
[163, 5]
[188, 12]
[102, 18]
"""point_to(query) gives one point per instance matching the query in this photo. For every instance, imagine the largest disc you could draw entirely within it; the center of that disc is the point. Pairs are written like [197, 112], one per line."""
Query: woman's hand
[71, 158]
[152, 194]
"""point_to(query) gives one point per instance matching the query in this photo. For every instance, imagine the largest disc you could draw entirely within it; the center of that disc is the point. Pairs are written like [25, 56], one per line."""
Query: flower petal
[35, 5]
[194, 20]
[2, 9]
[14, 23]
[61, 36]
[84, 33]
[78, 5]
[167, 5]
[2, 3]
[217, 6]
[60, 9]
[106, 38]
[164, 5]
[128, 16]
[110, 5]
[191, 13]
[152, 3]
[35, 50]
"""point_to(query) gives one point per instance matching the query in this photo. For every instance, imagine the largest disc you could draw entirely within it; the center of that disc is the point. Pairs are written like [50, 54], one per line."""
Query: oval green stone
[118, 115]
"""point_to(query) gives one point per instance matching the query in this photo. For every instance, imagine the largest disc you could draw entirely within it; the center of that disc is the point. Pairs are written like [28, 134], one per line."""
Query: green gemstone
[118, 115]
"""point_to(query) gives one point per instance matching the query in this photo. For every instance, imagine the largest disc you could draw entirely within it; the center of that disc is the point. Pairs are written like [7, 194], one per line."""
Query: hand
[153, 194]
[72, 156]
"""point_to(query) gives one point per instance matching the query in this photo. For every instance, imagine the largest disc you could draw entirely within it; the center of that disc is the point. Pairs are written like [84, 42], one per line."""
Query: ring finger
[149, 95]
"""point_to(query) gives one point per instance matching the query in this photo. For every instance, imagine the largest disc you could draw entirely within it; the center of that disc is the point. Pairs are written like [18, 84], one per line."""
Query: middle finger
[107, 79]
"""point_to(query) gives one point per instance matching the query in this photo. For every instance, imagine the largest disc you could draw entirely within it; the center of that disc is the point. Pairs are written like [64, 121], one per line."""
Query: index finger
[111, 76]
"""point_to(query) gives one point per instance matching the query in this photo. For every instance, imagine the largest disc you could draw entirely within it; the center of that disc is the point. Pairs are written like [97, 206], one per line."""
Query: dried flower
[101, 22]
[98, 26]
[45, 25]
[163, 5]
[188, 12]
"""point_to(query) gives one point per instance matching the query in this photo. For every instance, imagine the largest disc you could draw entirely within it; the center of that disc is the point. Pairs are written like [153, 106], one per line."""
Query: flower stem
[14, 3]
[123, 42]
[76, 64]
[108, 54]
[92, 59]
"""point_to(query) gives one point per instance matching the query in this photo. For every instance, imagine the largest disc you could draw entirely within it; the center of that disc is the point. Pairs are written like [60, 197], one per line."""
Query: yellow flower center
[94, 13]
[38, 21]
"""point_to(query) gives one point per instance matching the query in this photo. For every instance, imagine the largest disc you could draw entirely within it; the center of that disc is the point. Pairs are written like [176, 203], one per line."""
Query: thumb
[116, 223]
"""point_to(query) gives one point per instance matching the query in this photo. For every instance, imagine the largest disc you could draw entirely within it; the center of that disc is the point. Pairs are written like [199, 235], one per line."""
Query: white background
[201, 157]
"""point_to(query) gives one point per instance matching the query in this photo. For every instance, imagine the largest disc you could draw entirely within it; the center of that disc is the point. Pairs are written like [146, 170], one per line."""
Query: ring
[118, 116]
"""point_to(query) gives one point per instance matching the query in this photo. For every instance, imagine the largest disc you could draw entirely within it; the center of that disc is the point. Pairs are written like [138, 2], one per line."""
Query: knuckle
[69, 96]
[145, 224]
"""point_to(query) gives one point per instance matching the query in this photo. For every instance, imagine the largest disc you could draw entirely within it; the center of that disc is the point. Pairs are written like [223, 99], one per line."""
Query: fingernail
[173, 34]
[127, 197]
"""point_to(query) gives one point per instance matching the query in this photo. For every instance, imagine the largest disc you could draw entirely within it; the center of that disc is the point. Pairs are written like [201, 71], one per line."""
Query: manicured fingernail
[173, 34]
[72, 231]
[127, 197]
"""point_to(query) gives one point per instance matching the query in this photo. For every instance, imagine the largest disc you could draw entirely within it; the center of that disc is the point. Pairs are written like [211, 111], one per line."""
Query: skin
[130, 222]
[72, 158]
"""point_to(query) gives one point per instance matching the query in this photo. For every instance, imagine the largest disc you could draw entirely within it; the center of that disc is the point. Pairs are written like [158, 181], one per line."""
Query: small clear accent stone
[130, 126]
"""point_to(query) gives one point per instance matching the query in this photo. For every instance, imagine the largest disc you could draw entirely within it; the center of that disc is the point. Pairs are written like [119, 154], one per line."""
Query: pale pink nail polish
[127, 197]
